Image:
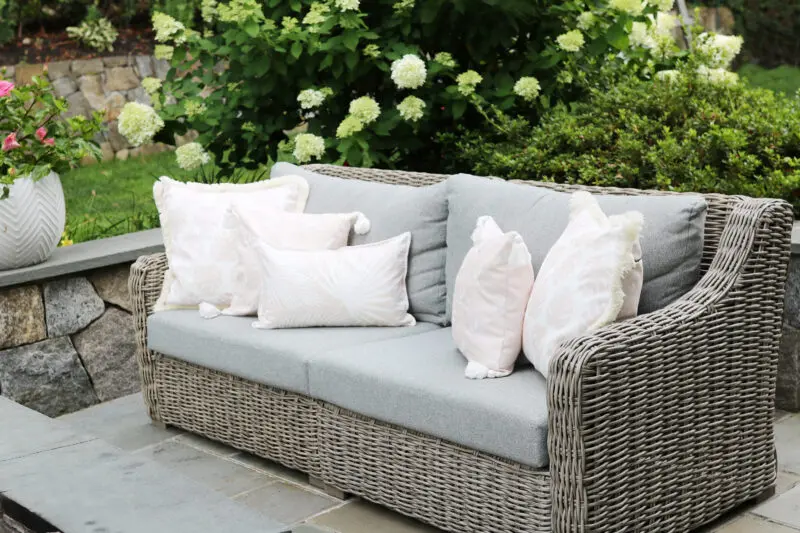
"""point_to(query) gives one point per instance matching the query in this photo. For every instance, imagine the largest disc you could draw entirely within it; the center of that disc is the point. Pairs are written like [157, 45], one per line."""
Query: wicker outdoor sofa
[659, 423]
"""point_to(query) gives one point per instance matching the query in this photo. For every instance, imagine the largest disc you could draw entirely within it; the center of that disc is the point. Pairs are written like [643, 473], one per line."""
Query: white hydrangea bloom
[445, 59]
[586, 20]
[668, 76]
[308, 146]
[191, 156]
[468, 81]
[208, 9]
[528, 88]
[365, 109]
[640, 35]
[347, 5]
[717, 76]
[151, 85]
[163, 51]
[348, 127]
[572, 41]
[411, 108]
[719, 50]
[167, 29]
[409, 72]
[662, 5]
[139, 123]
[238, 11]
[631, 7]
[310, 98]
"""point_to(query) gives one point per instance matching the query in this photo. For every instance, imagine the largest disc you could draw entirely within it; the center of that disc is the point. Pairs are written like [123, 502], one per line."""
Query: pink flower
[41, 133]
[50, 142]
[5, 88]
[10, 142]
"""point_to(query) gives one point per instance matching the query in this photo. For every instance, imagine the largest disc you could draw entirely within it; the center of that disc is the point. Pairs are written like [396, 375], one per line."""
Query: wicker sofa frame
[659, 423]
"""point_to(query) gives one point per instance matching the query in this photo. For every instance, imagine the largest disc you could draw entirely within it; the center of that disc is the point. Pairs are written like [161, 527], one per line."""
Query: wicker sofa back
[659, 423]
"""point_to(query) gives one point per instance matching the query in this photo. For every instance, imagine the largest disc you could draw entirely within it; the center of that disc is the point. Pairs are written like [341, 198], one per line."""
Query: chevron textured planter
[31, 221]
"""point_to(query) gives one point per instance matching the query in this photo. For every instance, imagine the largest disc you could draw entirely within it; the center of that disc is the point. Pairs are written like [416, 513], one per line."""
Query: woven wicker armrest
[144, 284]
[664, 421]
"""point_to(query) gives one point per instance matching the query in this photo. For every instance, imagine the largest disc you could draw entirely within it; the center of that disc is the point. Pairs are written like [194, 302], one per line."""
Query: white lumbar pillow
[285, 231]
[201, 250]
[580, 286]
[352, 286]
[489, 299]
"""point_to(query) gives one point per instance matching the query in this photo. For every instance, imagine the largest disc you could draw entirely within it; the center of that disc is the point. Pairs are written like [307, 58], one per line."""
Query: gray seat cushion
[392, 210]
[418, 383]
[277, 358]
[672, 237]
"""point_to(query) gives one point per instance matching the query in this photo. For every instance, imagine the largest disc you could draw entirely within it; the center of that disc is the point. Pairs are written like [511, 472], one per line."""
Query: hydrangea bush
[375, 85]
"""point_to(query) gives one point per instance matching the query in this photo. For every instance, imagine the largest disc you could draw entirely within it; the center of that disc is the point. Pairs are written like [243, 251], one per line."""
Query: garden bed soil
[44, 47]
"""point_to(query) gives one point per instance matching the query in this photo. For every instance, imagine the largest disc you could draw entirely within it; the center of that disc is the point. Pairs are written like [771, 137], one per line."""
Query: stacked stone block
[68, 343]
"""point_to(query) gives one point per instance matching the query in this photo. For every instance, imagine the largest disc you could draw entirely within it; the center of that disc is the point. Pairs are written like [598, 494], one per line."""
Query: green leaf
[458, 108]
[297, 50]
[252, 28]
[351, 40]
[617, 36]
[351, 60]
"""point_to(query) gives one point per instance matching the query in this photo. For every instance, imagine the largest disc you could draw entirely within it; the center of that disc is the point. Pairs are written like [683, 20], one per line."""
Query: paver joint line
[38, 452]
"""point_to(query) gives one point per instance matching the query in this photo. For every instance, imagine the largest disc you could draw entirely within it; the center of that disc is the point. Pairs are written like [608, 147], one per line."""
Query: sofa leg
[764, 496]
[330, 490]
[159, 424]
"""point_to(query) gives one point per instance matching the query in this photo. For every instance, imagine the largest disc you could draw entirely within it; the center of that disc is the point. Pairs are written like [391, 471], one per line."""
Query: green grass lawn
[783, 79]
[114, 198]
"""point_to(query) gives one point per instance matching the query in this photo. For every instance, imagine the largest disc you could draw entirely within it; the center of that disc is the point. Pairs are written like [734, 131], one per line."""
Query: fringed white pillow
[285, 231]
[580, 286]
[491, 292]
[201, 250]
[352, 286]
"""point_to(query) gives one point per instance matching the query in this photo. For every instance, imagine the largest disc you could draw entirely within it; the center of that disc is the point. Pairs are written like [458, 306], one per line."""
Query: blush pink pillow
[491, 292]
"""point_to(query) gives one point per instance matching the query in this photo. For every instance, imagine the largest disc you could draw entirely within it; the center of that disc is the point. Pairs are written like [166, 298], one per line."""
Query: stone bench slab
[84, 485]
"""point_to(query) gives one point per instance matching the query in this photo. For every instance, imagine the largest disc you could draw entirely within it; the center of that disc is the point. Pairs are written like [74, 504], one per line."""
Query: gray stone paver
[286, 503]
[284, 494]
[784, 509]
[787, 440]
[213, 471]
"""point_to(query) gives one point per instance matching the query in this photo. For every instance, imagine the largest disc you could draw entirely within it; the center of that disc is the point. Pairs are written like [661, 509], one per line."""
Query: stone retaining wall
[101, 84]
[68, 343]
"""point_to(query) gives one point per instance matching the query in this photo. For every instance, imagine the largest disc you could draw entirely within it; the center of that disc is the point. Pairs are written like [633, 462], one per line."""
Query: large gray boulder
[787, 394]
[107, 349]
[792, 311]
[46, 376]
[21, 316]
[70, 304]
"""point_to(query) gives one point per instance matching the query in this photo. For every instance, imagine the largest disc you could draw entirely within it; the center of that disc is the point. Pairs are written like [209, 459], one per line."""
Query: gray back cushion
[672, 237]
[392, 210]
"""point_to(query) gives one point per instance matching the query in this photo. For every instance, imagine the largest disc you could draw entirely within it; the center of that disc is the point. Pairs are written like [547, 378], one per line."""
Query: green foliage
[783, 79]
[683, 135]
[36, 140]
[238, 81]
[181, 10]
[95, 31]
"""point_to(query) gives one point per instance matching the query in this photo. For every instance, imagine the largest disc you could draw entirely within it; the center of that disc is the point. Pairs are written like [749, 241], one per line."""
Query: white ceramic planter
[32, 220]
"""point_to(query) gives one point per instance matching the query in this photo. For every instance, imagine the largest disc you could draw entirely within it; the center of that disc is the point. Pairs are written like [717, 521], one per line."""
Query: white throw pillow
[201, 250]
[491, 291]
[285, 231]
[352, 286]
[580, 285]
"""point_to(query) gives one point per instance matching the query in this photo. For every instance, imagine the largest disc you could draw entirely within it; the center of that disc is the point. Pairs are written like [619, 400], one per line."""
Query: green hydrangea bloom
[307, 147]
[349, 126]
[191, 156]
[572, 41]
[411, 108]
[365, 109]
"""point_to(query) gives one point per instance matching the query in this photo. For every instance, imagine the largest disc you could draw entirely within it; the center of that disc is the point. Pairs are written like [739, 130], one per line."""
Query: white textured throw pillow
[352, 286]
[285, 231]
[580, 285]
[201, 250]
[491, 292]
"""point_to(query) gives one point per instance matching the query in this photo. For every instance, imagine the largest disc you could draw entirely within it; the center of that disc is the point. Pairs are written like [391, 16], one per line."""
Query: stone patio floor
[285, 495]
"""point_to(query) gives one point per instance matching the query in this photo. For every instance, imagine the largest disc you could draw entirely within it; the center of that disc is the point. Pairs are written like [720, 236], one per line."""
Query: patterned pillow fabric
[352, 286]
[491, 292]
[201, 250]
[285, 231]
[580, 286]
